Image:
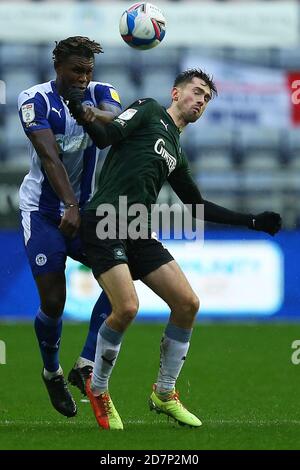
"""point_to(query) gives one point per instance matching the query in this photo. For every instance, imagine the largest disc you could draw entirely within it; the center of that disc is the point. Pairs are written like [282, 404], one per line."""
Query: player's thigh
[44, 244]
[118, 286]
[75, 250]
[109, 262]
[46, 251]
[170, 283]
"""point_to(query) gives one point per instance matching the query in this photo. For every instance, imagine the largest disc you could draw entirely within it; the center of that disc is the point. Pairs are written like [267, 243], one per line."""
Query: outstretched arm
[105, 114]
[94, 121]
[187, 190]
[101, 134]
[110, 133]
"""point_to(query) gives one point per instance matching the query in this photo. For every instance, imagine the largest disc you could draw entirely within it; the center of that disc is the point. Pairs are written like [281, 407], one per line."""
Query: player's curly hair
[188, 75]
[75, 45]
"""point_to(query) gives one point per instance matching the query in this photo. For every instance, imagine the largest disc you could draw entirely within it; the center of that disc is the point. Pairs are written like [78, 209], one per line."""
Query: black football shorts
[142, 255]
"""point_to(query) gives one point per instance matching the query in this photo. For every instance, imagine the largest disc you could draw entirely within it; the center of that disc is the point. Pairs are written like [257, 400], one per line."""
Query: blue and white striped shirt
[41, 107]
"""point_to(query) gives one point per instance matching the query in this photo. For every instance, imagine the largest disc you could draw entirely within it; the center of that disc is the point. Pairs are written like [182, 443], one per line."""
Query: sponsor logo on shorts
[41, 259]
[120, 254]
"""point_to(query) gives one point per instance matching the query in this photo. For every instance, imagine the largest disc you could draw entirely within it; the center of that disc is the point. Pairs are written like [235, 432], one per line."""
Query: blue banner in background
[18, 294]
[237, 275]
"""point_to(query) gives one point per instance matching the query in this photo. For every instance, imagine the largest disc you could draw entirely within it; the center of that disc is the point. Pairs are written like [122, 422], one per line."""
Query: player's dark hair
[75, 45]
[188, 75]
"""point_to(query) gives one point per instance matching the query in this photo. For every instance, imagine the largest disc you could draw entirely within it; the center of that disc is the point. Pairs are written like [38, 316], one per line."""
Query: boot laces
[105, 401]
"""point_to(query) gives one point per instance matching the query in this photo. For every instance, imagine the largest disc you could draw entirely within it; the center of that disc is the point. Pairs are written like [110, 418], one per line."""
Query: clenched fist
[269, 222]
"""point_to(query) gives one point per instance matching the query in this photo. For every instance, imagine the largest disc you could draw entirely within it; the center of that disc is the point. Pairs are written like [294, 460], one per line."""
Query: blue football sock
[101, 311]
[48, 332]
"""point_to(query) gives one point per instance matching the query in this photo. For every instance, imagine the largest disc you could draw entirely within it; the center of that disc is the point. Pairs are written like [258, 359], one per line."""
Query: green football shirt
[147, 153]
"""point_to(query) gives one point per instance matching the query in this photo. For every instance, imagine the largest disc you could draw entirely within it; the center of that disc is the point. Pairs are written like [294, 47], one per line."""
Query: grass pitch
[238, 379]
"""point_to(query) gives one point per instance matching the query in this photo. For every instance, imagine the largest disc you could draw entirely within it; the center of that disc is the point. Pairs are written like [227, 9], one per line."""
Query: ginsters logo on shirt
[160, 150]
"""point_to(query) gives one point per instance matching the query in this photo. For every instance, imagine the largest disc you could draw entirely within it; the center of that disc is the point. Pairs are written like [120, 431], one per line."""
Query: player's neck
[59, 87]
[177, 118]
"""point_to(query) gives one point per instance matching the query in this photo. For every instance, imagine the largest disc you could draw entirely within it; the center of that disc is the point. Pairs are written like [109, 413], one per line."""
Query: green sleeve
[187, 190]
[183, 184]
[134, 117]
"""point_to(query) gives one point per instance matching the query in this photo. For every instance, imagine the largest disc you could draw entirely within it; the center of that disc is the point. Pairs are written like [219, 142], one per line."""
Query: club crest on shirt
[88, 103]
[28, 113]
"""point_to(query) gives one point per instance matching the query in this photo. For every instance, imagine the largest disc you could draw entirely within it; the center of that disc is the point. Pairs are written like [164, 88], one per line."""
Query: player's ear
[57, 67]
[175, 94]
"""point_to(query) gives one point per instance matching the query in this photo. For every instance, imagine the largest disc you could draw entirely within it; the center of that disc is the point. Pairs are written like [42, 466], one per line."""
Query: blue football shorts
[46, 246]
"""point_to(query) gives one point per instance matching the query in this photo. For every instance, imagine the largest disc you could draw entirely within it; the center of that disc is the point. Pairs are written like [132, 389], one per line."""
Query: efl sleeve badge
[28, 113]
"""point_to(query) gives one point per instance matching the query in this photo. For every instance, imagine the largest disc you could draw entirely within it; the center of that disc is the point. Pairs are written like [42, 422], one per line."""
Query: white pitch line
[252, 422]
[68, 423]
[221, 422]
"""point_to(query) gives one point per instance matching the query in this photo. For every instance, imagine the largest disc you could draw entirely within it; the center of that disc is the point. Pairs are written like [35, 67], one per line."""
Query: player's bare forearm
[104, 116]
[95, 121]
[46, 148]
[59, 180]
[92, 114]
[107, 112]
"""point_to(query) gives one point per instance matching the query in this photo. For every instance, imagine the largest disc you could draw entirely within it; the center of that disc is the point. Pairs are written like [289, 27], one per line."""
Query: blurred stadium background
[244, 152]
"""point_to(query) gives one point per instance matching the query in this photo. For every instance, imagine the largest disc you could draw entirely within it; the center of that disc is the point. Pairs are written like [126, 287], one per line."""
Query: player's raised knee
[196, 304]
[129, 310]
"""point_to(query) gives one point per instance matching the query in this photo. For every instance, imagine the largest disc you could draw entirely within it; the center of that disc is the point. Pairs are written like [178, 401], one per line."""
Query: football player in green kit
[146, 153]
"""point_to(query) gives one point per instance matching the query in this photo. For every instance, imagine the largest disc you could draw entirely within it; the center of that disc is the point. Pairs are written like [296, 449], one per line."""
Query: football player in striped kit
[59, 183]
